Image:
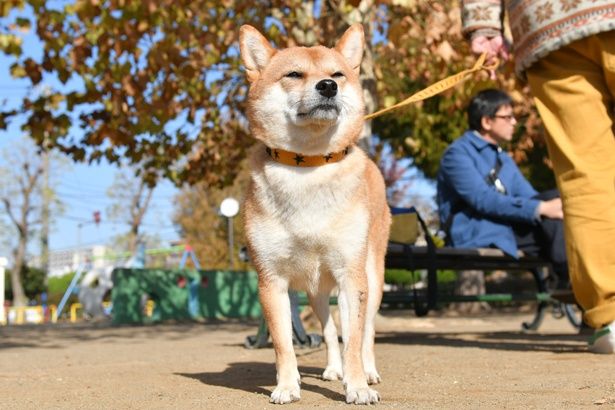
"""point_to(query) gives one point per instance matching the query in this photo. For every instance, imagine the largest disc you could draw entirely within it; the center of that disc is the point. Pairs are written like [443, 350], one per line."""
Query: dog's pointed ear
[255, 51]
[351, 45]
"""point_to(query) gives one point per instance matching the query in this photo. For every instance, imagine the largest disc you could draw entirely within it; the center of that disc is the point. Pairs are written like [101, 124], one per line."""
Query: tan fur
[317, 228]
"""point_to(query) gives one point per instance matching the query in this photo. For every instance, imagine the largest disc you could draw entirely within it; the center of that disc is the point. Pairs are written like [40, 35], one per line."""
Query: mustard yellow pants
[574, 89]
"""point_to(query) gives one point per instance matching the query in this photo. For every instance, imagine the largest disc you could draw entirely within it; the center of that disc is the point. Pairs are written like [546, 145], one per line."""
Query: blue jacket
[482, 216]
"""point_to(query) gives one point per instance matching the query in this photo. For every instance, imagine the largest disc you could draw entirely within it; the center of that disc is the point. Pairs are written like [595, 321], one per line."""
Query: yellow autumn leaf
[445, 51]
[389, 100]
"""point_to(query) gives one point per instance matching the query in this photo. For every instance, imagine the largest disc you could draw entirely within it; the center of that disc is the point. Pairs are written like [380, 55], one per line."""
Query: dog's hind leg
[273, 293]
[375, 280]
[320, 304]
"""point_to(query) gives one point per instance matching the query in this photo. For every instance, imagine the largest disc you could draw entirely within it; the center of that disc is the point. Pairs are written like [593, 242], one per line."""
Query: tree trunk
[46, 197]
[137, 212]
[132, 241]
[364, 14]
[19, 296]
[471, 282]
[25, 184]
[368, 81]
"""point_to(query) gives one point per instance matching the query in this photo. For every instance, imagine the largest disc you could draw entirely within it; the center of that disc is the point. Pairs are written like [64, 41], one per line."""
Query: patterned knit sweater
[538, 26]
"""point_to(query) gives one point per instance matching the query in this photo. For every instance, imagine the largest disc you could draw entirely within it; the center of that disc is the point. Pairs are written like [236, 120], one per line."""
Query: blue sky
[82, 188]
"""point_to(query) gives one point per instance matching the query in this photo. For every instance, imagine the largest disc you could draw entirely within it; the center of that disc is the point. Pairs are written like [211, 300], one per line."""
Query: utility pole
[46, 198]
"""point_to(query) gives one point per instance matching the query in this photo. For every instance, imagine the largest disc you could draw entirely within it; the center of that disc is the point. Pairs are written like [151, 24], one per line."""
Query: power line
[105, 192]
[114, 222]
[104, 201]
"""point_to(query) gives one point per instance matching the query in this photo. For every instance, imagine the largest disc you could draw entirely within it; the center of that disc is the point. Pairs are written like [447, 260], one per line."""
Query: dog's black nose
[327, 88]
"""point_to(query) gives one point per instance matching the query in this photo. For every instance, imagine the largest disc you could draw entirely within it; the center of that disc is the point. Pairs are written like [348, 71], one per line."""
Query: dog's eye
[294, 74]
[337, 74]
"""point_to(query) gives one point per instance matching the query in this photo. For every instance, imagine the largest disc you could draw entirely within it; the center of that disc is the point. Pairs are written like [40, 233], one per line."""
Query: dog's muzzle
[324, 105]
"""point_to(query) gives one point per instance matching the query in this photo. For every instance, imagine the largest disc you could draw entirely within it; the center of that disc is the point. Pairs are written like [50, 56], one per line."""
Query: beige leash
[438, 87]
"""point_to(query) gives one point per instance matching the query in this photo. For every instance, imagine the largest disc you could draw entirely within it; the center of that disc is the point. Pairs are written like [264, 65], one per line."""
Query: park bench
[404, 254]
[411, 257]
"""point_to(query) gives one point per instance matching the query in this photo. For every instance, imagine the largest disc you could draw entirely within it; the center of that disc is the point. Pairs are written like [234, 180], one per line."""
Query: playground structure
[183, 295]
[31, 314]
[140, 295]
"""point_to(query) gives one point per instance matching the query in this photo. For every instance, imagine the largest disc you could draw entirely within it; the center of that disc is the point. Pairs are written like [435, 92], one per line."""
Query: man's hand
[551, 209]
[495, 47]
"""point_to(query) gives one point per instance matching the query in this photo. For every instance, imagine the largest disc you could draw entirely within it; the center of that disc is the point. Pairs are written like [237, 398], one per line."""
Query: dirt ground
[426, 363]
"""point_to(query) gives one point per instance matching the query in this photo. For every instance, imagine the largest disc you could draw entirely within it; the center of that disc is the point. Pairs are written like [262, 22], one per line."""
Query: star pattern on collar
[299, 159]
[272, 153]
[302, 160]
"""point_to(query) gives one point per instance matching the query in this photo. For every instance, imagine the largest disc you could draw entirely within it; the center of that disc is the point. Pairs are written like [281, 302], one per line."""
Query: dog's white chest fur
[310, 219]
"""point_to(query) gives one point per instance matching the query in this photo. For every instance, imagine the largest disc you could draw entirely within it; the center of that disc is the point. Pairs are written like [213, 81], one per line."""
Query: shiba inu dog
[316, 215]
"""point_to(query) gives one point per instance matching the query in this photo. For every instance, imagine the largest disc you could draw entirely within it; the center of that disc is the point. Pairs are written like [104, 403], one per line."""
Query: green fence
[183, 294]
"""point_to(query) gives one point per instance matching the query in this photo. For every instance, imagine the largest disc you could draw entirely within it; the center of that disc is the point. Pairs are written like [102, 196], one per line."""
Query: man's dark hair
[486, 104]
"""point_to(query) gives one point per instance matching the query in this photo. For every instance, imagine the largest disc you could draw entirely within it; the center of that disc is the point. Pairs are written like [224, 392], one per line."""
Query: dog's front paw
[332, 373]
[361, 395]
[373, 377]
[285, 394]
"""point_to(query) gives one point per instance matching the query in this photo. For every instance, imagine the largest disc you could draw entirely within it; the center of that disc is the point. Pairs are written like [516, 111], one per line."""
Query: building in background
[98, 257]
[68, 260]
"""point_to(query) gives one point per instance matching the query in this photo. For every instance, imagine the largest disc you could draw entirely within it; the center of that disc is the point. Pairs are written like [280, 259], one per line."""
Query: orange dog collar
[299, 160]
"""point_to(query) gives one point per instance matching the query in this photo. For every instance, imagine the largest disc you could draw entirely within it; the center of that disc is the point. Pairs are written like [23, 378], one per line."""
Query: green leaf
[23, 23]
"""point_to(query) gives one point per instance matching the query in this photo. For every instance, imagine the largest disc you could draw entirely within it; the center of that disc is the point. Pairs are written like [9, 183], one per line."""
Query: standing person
[485, 201]
[566, 51]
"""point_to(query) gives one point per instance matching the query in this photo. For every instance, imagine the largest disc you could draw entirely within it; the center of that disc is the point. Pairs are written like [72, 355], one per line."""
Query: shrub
[33, 280]
[404, 277]
[56, 287]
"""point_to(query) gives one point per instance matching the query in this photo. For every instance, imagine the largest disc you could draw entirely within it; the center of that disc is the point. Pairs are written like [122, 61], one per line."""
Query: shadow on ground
[56, 336]
[52, 336]
[511, 341]
[252, 377]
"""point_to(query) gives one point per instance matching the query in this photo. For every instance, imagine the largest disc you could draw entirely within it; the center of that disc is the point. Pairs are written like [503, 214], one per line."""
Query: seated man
[485, 201]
